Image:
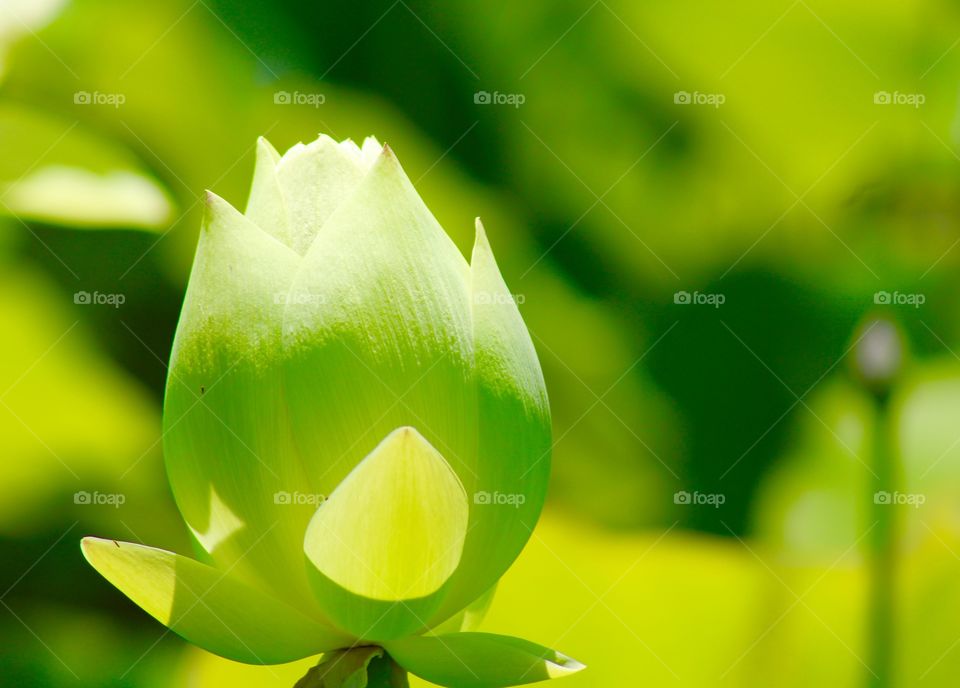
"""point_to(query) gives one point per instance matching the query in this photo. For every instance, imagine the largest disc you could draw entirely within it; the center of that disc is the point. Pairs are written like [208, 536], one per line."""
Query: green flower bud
[356, 430]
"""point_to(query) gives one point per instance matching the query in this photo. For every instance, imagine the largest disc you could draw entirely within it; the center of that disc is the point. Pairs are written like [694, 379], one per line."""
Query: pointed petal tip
[563, 665]
[214, 205]
[412, 486]
[86, 545]
[264, 147]
[89, 545]
[482, 251]
[384, 163]
[480, 235]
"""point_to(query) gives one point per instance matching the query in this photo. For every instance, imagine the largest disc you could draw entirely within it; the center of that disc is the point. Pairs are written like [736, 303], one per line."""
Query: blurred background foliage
[797, 199]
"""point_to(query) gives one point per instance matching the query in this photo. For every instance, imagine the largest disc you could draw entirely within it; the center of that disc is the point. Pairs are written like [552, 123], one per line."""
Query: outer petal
[469, 618]
[208, 607]
[388, 538]
[226, 438]
[388, 343]
[479, 660]
[514, 434]
[265, 206]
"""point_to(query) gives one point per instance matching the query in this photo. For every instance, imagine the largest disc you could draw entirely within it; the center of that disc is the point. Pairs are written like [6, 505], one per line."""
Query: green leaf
[208, 607]
[60, 392]
[83, 181]
[21, 18]
[392, 532]
[479, 660]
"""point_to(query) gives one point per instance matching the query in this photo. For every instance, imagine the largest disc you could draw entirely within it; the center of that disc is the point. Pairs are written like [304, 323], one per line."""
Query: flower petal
[265, 206]
[226, 443]
[388, 538]
[470, 617]
[514, 434]
[208, 607]
[387, 343]
[479, 660]
[315, 179]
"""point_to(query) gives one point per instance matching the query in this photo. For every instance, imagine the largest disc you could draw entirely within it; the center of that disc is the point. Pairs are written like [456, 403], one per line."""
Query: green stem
[882, 553]
[363, 666]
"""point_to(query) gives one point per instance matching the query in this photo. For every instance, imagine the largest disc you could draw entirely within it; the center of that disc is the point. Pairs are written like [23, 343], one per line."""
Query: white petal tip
[563, 666]
[264, 147]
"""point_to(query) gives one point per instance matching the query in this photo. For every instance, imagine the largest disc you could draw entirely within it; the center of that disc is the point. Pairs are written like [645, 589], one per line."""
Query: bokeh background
[696, 205]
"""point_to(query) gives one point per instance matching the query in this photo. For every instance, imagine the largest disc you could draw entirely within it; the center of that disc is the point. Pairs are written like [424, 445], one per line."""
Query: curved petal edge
[209, 607]
[479, 660]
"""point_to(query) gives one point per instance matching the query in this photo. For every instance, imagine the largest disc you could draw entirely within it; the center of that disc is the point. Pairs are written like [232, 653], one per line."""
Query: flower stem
[879, 360]
[367, 666]
[883, 554]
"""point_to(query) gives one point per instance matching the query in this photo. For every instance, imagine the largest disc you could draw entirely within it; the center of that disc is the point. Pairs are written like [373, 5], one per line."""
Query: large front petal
[479, 660]
[387, 343]
[388, 539]
[210, 608]
[232, 467]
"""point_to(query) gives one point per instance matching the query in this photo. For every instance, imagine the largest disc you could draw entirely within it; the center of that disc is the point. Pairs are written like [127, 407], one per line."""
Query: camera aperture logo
[298, 98]
[85, 298]
[487, 298]
[685, 298]
[915, 500]
[97, 98]
[886, 298]
[498, 98]
[514, 499]
[114, 499]
[298, 298]
[914, 100]
[298, 498]
[714, 100]
[714, 499]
